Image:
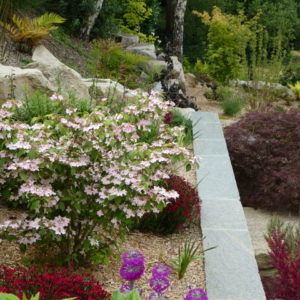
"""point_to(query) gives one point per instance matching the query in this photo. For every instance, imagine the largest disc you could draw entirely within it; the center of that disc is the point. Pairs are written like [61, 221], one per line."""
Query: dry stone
[24, 80]
[58, 73]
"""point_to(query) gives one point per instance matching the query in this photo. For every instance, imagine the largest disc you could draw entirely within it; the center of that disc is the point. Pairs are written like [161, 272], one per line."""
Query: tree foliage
[228, 36]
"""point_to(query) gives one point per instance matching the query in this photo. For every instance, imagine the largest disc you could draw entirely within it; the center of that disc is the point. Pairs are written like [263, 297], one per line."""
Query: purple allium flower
[132, 270]
[161, 270]
[196, 294]
[132, 254]
[159, 284]
[154, 296]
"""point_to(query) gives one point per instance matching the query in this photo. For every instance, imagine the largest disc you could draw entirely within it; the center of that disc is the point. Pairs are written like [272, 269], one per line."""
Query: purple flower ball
[132, 270]
[161, 270]
[132, 254]
[196, 294]
[159, 284]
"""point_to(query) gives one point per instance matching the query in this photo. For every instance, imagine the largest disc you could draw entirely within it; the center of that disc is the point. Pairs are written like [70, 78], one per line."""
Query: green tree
[228, 37]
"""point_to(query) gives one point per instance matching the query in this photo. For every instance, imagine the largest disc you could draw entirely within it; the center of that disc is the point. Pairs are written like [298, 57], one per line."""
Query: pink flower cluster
[87, 170]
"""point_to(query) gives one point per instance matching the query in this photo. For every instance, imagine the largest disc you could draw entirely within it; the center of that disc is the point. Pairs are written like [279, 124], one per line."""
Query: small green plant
[232, 106]
[178, 119]
[201, 71]
[25, 60]
[224, 93]
[185, 257]
[6, 296]
[296, 89]
[133, 295]
[32, 31]
[109, 60]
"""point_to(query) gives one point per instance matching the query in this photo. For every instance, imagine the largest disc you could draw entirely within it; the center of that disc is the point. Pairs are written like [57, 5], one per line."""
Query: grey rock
[231, 269]
[186, 112]
[147, 50]
[26, 81]
[58, 74]
[205, 117]
[107, 87]
[158, 87]
[209, 147]
[223, 214]
[177, 71]
[277, 88]
[216, 178]
[127, 39]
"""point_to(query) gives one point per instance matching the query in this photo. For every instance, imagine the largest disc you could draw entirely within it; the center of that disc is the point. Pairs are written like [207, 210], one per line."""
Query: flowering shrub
[83, 171]
[264, 150]
[284, 243]
[51, 283]
[179, 211]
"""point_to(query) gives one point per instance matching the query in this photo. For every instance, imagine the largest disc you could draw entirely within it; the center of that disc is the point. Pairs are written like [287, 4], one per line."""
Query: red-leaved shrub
[51, 283]
[178, 213]
[264, 149]
[285, 258]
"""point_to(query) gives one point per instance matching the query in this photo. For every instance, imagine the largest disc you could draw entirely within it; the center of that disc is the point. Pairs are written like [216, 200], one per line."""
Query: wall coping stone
[231, 269]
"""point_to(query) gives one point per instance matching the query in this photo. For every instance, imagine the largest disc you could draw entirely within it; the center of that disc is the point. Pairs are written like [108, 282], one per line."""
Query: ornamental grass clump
[264, 151]
[83, 176]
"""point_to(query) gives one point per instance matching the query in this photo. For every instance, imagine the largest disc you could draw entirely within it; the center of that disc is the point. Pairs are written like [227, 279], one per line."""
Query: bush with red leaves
[52, 283]
[264, 149]
[178, 213]
[285, 258]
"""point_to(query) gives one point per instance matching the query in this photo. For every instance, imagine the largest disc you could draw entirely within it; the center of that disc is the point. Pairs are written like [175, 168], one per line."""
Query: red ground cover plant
[178, 213]
[285, 258]
[52, 283]
[264, 148]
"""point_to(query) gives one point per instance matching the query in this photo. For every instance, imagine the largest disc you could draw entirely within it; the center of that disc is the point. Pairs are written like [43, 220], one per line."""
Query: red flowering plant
[51, 283]
[178, 213]
[284, 243]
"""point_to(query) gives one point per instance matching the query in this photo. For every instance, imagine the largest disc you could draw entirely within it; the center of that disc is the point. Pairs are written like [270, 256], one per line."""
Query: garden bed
[156, 249]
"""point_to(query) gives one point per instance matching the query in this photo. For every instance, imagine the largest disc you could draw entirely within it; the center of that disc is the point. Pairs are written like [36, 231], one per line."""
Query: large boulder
[127, 39]
[58, 73]
[144, 49]
[22, 81]
[107, 88]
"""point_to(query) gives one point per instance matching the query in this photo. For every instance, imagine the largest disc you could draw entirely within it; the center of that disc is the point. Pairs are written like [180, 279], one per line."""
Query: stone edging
[231, 269]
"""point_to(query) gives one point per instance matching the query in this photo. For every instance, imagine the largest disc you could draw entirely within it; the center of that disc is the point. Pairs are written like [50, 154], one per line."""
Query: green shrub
[201, 71]
[109, 60]
[178, 119]
[290, 75]
[37, 106]
[228, 37]
[224, 93]
[232, 106]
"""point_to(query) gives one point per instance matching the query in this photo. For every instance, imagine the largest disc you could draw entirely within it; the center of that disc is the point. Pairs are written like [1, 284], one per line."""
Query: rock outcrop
[57, 73]
[19, 82]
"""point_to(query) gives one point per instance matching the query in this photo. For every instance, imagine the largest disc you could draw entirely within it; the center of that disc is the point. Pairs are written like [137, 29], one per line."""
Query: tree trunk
[175, 26]
[86, 31]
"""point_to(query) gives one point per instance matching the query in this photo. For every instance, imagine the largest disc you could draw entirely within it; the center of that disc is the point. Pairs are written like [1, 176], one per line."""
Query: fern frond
[8, 27]
[48, 19]
[32, 31]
